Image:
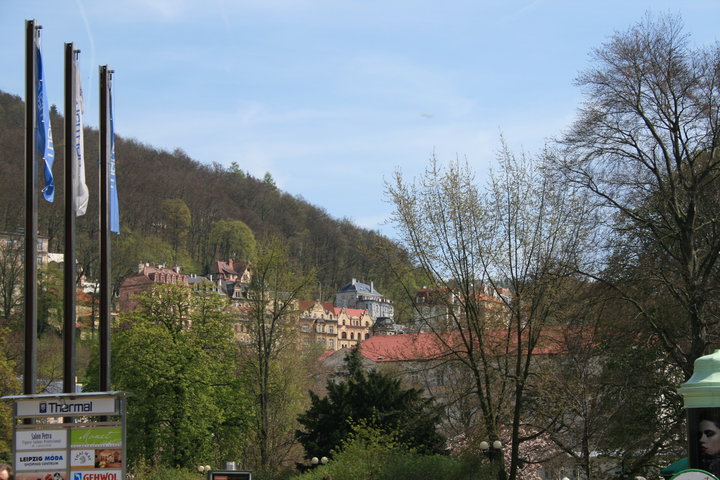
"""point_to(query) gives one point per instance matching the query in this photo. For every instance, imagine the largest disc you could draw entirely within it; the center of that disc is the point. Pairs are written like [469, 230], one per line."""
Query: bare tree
[273, 293]
[645, 146]
[499, 259]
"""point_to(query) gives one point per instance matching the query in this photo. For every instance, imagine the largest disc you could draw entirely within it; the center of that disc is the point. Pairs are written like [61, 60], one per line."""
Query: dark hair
[711, 415]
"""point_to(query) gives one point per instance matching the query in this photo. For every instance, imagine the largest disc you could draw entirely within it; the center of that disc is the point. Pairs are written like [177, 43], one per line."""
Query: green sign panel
[96, 437]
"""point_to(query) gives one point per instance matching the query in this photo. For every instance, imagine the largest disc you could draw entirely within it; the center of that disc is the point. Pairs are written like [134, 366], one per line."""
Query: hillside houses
[141, 281]
[362, 296]
[359, 312]
[325, 324]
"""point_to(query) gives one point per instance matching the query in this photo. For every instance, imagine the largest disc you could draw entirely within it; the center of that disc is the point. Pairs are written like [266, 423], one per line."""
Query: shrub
[370, 453]
[143, 471]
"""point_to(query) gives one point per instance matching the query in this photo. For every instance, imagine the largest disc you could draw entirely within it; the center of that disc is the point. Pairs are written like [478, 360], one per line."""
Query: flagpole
[31, 207]
[70, 212]
[105, 294]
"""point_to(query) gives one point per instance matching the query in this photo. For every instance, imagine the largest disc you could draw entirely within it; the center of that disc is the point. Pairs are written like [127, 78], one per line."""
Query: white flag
[81, 190]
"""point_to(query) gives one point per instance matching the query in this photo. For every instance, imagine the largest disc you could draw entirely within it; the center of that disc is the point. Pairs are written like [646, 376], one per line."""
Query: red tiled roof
[326, 354]
[352, 312]
[395, 348]
[427, 346]
[355, 312]
[308, 304]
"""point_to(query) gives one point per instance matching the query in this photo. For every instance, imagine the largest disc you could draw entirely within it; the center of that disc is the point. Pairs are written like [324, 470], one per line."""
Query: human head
[709, 435]
[5, 471]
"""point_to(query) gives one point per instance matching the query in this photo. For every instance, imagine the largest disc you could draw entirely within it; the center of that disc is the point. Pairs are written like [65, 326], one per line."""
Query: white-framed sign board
[78, 436]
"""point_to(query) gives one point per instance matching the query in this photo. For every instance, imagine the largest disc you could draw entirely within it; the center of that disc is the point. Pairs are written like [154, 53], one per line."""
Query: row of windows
[12, 243]
[354, 322]
[344, 336]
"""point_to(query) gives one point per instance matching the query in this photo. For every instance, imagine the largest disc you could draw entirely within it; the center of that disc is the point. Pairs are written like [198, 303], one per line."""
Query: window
[331, 343]
[344, 335]
[331, 329]
[305, 328]
[352, 336]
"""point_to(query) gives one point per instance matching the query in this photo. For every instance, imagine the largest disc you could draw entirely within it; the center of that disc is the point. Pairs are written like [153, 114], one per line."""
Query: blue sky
[331, 96]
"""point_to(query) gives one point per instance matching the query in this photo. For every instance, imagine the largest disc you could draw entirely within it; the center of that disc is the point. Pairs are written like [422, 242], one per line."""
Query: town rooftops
[427, 346]
[358, 287]
[229, 268]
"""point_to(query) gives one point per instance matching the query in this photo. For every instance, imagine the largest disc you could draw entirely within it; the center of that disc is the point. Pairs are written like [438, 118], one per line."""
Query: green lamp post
[701, 397]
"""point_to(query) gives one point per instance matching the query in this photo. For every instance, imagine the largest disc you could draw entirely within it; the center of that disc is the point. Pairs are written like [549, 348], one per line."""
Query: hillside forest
[176, 211]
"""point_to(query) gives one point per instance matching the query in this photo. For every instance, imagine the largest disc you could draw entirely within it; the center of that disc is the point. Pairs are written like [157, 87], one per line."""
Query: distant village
[358, 314]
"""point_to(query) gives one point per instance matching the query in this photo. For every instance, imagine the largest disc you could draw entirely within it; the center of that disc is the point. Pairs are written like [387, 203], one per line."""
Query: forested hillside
[170, 204]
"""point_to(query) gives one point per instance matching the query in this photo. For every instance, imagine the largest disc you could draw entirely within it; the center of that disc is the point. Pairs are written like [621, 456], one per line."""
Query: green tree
[372, 397]
[235, 169]
[50, 299]
[11, 275]
[174, 354]
[176, 220]
[266, 360]
[9, 385]
[269, 180]
[233, 240]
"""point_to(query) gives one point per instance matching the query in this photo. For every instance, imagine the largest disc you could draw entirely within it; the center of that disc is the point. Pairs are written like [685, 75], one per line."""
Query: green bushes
[369, 453]
[146, 472]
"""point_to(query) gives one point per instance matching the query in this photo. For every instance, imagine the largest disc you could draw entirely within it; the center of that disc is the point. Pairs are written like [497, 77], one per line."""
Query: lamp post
[493, 451]
[318, 461]
[204, 468]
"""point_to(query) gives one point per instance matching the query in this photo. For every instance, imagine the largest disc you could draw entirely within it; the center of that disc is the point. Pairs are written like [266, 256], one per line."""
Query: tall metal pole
[105, 294]
[70, 212]
[31, 207]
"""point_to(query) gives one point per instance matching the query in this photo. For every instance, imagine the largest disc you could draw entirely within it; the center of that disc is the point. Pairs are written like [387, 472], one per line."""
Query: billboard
[91, 447]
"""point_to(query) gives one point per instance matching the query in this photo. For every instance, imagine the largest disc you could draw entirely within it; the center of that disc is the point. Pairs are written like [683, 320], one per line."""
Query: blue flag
[43, 130]
[114, 210]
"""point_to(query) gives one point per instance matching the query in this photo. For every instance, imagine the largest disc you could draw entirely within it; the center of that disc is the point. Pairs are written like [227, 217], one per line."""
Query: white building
[363, 296]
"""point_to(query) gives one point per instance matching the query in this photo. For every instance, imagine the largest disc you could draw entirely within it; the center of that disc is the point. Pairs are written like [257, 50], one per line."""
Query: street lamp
[493, 451]
[204, 468]
[315, 461]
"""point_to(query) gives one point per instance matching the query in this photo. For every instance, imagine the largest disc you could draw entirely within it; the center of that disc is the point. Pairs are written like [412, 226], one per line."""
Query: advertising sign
[40, 439]
[229, 475]
[95, 437]
[97, 475]
[91, 447]
[47, 460]
[65, 407]
[704, 432]
[41, 476]
[82, 459]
